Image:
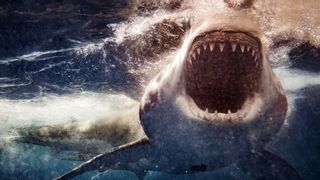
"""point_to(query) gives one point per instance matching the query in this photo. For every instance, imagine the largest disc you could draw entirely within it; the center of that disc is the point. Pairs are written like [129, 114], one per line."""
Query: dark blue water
[43, 47]
[62, 47]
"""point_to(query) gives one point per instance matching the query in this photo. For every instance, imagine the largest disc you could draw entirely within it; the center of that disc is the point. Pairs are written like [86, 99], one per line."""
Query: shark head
[221, 72]
[219, 94]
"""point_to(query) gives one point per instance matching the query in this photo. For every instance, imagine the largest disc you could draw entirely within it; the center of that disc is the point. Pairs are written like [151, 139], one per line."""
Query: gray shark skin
[186, 128]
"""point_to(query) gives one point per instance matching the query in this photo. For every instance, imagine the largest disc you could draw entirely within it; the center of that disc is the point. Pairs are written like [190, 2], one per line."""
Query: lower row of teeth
[229, 116]
[224, 116]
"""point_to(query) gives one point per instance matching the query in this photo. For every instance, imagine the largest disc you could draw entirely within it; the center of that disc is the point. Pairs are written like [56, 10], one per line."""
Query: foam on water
[138, 25]
[52, 109]
[32, 56]
[293, 80]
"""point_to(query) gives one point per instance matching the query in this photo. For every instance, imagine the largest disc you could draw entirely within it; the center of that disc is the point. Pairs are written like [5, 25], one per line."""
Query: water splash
[294, 80]
[78, 107]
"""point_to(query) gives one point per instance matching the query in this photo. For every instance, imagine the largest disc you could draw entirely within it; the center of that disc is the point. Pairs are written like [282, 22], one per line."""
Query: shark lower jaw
[222, 75]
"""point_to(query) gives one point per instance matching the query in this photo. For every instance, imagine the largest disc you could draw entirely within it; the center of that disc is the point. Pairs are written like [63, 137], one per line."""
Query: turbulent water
[83, 61]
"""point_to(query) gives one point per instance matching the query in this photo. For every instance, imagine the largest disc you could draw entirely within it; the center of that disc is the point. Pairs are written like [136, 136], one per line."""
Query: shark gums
[217, 103]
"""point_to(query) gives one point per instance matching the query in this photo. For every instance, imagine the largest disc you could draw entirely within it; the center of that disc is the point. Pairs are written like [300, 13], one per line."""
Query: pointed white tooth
[206, 114]
[257, 64]
[198, 50]
[253, 52]
[190, 61]
[215, 112]
[211, 46]
[203, 115]
[194, 55]
[221, 45]
[229, 111]
[204, 46]
[242, 48]
[248, 48]
[233, 46]
[255, 58]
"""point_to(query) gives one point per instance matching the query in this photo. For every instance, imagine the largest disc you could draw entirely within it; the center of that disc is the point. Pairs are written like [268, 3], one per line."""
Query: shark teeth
[256, 60]
[211, 46]
[242, 48]
[198, 50]
[204, 46]
[221, 46]
[234, 117]
[233, 46]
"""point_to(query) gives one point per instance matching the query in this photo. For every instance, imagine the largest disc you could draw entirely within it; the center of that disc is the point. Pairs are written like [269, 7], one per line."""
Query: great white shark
[217, 103]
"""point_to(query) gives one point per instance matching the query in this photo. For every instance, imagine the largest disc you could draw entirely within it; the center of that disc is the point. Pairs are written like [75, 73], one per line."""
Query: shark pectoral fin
[113, 159]
[76, 156]
[266, 165]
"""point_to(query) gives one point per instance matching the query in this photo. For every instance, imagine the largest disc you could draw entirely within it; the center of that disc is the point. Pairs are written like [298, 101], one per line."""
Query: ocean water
[72, 61]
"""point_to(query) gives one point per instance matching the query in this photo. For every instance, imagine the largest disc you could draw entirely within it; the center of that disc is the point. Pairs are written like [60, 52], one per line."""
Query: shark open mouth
[223, 72]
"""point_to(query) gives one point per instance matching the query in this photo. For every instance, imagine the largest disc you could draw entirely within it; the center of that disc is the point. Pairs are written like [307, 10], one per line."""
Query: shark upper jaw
[222, 76]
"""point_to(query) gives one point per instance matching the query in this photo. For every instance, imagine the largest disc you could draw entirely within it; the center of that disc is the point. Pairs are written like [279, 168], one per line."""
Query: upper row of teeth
[234, 46]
